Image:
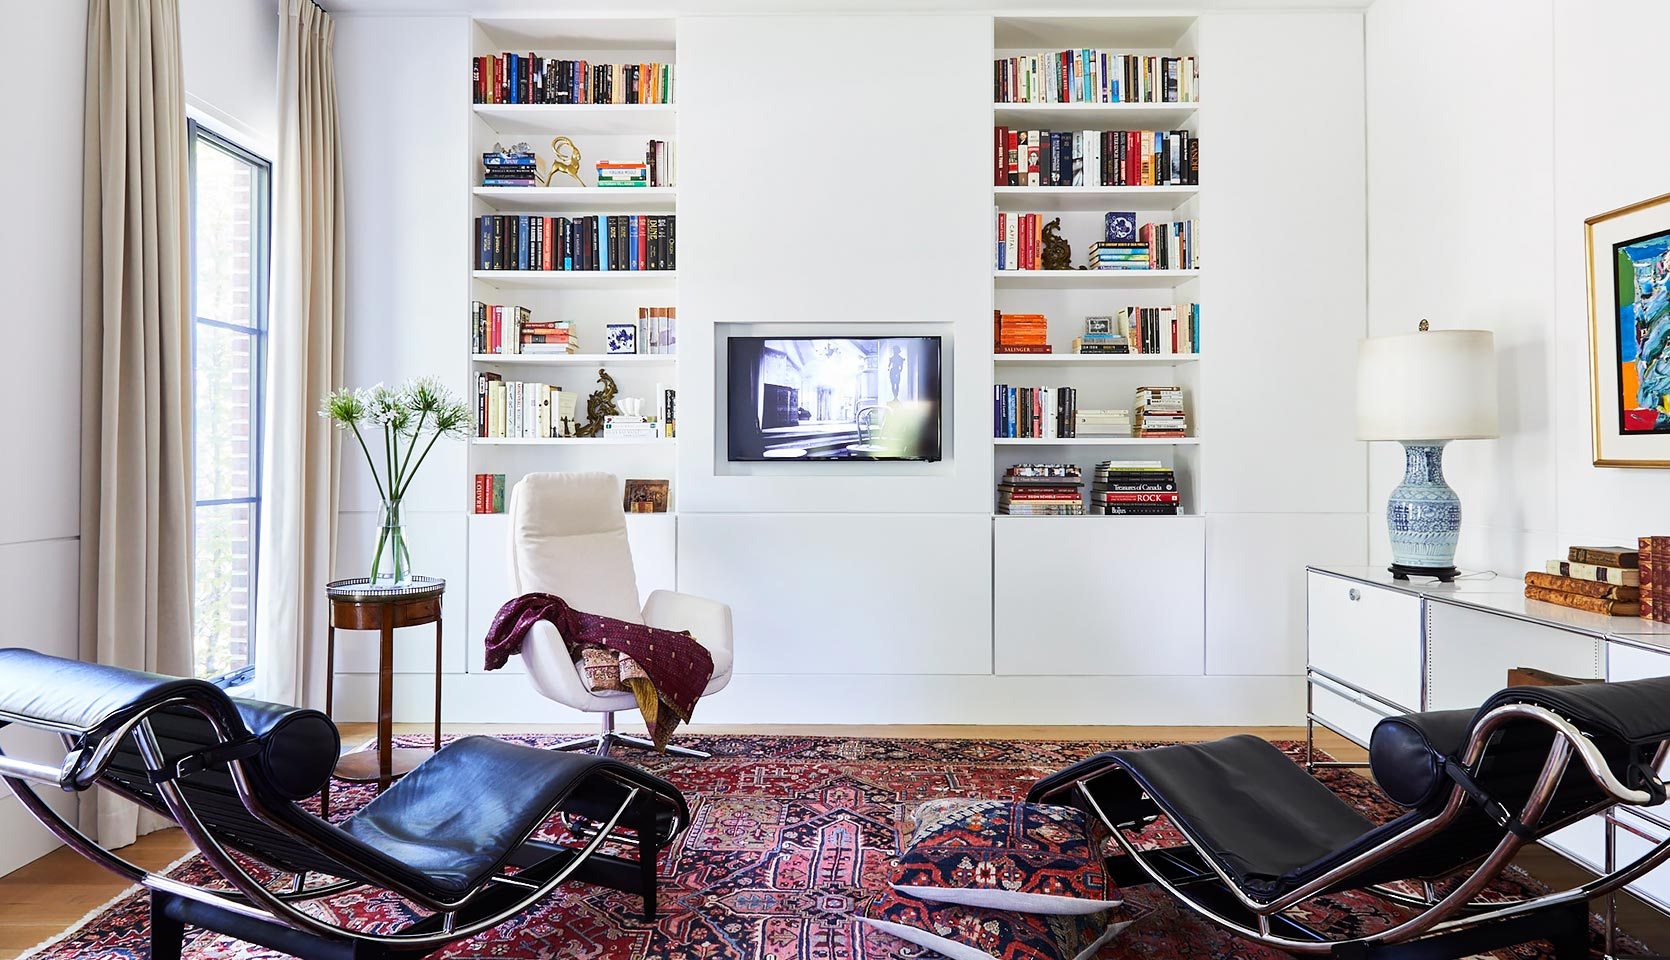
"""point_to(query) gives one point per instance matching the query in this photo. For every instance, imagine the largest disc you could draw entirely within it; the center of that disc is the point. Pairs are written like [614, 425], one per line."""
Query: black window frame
[261, 279]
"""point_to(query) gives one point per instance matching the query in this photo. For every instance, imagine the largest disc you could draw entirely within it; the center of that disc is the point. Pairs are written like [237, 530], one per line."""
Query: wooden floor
[45, 897]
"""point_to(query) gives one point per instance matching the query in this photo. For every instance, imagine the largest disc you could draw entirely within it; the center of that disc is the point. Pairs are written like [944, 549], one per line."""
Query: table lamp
[1423, 390]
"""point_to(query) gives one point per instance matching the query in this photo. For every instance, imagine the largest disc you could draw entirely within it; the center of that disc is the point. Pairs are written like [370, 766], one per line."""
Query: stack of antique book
[1604, 580]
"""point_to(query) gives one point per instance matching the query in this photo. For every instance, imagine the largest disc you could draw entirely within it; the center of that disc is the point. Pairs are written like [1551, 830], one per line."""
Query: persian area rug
[788, 834]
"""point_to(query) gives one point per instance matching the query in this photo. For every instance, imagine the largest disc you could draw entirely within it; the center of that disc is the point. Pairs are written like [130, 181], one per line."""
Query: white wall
[1479, 186]
[40, 361]
[230, 51]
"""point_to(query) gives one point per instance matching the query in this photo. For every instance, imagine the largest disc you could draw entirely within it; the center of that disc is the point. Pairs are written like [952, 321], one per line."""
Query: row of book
[1160, 412]
[1604, 580]
[1095, 76]
[657, 330]
[1045, 413]
[1095, 158]
[516, 409]
[1152, 246]
[1170, 329]
[530, 78]
[1135, 488]
[1041, 490]
[1020, 332]
[489, 493]
[597, 242]
[500, 329]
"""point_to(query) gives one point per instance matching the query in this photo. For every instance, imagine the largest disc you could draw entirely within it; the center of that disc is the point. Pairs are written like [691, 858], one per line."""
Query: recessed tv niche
[834, 398]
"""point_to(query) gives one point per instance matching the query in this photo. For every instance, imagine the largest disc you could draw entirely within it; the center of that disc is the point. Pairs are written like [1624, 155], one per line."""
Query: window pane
[225, 411]
[225, 236]
[223, 592]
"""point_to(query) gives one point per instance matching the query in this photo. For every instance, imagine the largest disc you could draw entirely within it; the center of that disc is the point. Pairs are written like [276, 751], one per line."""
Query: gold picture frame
[1629, 353]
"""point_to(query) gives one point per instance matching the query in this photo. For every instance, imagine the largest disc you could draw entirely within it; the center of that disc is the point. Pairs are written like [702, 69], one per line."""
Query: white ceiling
[606, 8]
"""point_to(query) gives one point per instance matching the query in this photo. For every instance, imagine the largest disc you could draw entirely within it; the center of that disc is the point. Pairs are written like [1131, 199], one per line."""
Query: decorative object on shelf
[417, 413]
[565, 160]
[1423, 390]
[599, 405]
[645, 496]
[621, 338]
[1119, 226]
[1629, 334]
[1058, 253]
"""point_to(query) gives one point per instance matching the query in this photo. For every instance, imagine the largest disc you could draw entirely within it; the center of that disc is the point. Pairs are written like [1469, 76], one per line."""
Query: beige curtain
[136, 475]
[298, 515]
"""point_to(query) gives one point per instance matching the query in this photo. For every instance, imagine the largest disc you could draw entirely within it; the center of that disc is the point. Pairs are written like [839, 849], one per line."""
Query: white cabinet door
[1367, 636]
[1099, 595]
[1469, 653]
[1636, 836]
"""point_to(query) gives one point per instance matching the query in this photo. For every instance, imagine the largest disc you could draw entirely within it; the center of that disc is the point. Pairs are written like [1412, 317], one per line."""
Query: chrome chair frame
[1457, 911]
[271, 917]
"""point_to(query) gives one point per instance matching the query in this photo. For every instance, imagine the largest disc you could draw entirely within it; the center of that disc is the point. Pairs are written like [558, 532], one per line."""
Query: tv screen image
[834, 398]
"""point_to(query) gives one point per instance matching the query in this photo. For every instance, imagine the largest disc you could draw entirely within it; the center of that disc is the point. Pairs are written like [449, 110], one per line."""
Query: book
[593, 242]
[1587, 588]
[1095, 76]
[531, 78]
[1654, 574]
[1605, 556]
[489, 493]
[1627, 576]
[645, 496]
[1041, 490]
[1600, 605]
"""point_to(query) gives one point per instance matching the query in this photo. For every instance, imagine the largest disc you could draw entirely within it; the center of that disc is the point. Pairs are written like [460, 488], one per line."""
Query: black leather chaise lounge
[1262, 836]
[455, 837]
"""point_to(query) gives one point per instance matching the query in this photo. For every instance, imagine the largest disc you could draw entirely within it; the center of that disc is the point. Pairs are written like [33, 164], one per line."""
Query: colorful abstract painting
[1629, 333]
[1641, 271]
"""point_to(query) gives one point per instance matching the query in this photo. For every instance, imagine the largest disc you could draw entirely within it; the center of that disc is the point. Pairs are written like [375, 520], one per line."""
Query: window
[230, 211]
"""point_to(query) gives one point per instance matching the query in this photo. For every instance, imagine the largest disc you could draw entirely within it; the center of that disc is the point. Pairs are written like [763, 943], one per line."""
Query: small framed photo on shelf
[621, 338]
[645, 496]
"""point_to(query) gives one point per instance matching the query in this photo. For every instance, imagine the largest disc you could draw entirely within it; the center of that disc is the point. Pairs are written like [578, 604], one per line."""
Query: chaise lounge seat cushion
[457, 817]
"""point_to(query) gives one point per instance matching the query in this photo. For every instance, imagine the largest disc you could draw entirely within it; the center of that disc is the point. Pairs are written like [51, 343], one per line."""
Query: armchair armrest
[709, 621]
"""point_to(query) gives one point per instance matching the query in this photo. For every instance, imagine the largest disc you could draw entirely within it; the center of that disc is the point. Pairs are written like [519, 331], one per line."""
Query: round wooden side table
[358, 604]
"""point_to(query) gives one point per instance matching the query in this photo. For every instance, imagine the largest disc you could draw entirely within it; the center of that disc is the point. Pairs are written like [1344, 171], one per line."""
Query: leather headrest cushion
[1406, 754]
[298, 747]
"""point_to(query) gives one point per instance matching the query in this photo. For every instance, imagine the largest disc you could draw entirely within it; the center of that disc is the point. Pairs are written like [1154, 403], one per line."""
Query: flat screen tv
[834, 398]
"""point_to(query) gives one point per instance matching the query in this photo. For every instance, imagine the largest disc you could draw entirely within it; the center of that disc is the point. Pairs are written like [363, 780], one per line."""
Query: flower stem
[369, 462]
[377, 558]
[405, 467]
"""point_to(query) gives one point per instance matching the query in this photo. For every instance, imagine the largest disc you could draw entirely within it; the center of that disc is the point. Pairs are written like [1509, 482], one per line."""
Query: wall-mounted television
[834, 398]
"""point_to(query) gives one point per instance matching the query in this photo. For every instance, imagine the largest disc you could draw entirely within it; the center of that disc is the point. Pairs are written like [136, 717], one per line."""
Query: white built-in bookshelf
[1066, 297]
[589, 299]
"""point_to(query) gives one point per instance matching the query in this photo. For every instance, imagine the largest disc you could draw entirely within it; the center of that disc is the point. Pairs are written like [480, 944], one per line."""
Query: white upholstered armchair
[568, 538]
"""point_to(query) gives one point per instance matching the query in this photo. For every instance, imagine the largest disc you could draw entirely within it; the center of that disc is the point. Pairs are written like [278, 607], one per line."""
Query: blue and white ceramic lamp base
[1423, 515]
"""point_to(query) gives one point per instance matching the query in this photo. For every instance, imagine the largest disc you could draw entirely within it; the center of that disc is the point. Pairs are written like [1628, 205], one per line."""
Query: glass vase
[391, 562]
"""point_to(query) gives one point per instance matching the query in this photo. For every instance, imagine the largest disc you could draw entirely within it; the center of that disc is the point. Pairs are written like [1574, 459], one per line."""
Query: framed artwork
[1629, 334]
[645, 496]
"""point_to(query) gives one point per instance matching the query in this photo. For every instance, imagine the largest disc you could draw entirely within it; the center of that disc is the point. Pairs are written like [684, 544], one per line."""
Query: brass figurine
[599, 405]
[565, 160]
[1058, 254]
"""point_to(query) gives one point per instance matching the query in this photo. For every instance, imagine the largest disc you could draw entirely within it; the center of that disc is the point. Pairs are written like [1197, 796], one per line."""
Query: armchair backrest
[568, 537]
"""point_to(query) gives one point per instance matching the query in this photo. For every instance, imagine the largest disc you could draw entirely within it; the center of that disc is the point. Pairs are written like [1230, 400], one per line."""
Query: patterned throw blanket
[665, 670]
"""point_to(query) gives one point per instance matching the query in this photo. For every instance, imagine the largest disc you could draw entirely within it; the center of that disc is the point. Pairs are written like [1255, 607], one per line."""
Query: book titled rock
[1585, 588]
[1606, 556]
[1601, 605]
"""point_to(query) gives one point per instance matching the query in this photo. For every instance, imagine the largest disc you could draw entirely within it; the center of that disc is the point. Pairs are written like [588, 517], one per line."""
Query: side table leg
[330, 688]
[385, 703]
[437, 681]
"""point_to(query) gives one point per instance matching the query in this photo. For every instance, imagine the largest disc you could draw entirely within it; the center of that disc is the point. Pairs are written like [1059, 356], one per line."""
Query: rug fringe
[95, 913]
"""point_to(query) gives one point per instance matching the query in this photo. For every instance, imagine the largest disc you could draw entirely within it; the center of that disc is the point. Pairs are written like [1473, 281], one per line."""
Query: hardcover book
[1586, 588]
[1600, 605]
[1606, 556]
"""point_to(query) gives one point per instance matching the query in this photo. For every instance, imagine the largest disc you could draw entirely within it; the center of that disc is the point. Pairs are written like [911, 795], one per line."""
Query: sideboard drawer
[1344, 711]
[1369, 637]
[1628, 662]
[1634, 836]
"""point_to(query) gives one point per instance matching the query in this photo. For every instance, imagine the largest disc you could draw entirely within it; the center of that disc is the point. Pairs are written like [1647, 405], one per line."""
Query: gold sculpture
[599, 405]
[565, 160]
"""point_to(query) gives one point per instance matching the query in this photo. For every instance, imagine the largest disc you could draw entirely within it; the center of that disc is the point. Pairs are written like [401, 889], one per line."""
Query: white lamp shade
[1430, 385]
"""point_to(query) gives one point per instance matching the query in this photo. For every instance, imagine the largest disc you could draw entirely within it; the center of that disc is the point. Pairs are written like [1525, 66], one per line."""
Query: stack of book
[530, 78]
[1117, 255]
[1172, 246]
[1020, 333]
[1653, 577]
[1135, 488]
[1103, 423]
[1096, 158]
[655, 330]
[517, 167]
[1101, 336]
[613, 174]
[553, 337]
[1160, 330]
[1160, 412]
[1095, 76]
[495, 328]
[623, 427]
[1573, 582]
[1038, 413]
[599, 242]
[530, 411]
[489, 493]
[659, 156]
[1041, 490]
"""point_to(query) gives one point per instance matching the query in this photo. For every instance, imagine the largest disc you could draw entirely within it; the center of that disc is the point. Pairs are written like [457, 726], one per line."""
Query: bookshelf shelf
[577, 359]
[612, 119]
[1100, 199]
[1094, 116]
[1093, 359]
[586, 199]
[1096, 441]
[578, 279]
[571, 441]
[1091, 279]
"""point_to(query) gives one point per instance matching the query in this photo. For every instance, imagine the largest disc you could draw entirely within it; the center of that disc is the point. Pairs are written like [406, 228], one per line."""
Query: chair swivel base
[600, 742]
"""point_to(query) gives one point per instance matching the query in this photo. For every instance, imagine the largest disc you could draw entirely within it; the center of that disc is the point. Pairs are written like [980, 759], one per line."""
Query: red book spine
[1012, 170]
[478, 504]
[1000, 157]
[643, 242]
[1109, 497]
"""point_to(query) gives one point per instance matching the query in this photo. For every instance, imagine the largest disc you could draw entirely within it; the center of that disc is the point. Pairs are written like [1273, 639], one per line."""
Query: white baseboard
[22, 838]
[794, 699]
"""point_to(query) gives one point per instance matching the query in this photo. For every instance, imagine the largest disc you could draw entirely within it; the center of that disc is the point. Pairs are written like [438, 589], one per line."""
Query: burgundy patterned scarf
[673, 668]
